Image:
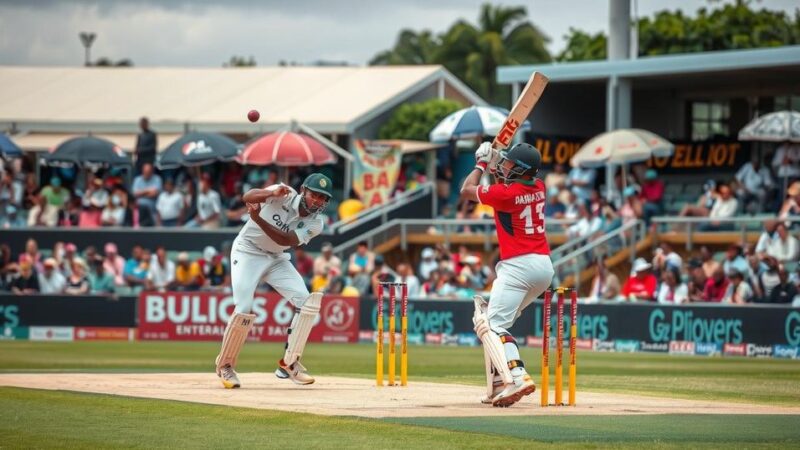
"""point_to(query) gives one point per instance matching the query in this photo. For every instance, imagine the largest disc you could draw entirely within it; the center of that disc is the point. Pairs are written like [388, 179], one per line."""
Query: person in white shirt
[587, 225]
[672, 289]
[725, 206]
[766, 238]
[739, 290]
[209, 207]
[406, 275]
[51, 280]
[161, 274]
[280, 218]
[114, 213]
[783, 246]
[755, 182]
[581, 182]
[169, 205]
[786, 161]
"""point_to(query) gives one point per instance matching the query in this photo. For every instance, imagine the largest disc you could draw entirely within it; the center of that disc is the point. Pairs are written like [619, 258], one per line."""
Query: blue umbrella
[198, 149]
[474, 121]
[8, 148]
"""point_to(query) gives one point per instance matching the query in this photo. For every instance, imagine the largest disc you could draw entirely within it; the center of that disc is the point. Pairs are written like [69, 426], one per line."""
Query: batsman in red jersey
[525, 269]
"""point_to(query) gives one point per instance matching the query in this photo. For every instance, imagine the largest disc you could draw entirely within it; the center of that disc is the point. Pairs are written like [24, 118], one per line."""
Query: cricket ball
[253, 115]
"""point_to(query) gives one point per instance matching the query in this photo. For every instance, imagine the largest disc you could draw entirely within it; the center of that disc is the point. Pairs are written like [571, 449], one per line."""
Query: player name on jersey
[526, 199]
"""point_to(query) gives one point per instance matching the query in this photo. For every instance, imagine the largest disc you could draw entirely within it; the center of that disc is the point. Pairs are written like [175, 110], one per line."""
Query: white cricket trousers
[248, 268]
[520, 280]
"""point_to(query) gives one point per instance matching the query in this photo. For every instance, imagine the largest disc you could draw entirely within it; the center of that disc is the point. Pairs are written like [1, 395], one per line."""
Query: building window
[709, 119]
[785, 102]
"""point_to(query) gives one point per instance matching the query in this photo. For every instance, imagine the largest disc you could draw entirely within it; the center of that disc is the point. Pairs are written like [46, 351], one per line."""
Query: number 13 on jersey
[526, 214]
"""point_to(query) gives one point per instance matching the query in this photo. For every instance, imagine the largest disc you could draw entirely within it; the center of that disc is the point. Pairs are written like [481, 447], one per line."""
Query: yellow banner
[375, 171]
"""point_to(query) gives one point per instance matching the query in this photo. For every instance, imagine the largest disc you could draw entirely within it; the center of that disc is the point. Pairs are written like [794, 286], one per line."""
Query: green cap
[318, 182]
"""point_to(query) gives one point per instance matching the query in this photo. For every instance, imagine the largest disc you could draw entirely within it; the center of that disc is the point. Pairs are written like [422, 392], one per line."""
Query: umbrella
[198, 149]
[286, 149]
[779, 126]
[471, 122]
[86, 151]
[8, 148]
[621, 147]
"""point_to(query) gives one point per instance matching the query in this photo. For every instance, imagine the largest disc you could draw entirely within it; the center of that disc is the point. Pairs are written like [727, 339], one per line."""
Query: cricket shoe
[522, 386]
[295, 372]
[497, 387]
[229, 377]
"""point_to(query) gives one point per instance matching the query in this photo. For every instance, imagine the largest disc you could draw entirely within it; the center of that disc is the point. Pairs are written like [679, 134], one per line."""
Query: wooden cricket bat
[522, 108]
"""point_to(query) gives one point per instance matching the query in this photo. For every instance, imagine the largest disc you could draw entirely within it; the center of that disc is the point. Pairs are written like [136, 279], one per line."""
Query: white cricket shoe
[497, 388]
[522, 386]
[296, 372]
[229, 377]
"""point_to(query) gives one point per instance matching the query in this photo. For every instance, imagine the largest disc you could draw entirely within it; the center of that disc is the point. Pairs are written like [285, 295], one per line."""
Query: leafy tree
[583, 46]
[411, 48]
[240, 61]
[107, 62]
[416, 120]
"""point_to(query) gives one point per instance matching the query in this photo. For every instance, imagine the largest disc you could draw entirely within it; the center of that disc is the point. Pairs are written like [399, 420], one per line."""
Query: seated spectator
[554, 208]
[791, 206]
[382, 273]
[11, 191]
[100, 281]
[641, 285]
[739, 290]
[587, 224]
[703, 205]
[188, 275]
[784, 247]
[8, 275]
[42, 214]
[27, 282]
[556, 178]
[666, 258]
[725, 206]
[161, 273]
[169, 205]
[770, 276]
[12, 218]
[116, 210]
[442, 285]
[77, 282]
[215, 270]
[136, 268]
[786, 161]
[697, 280]
[94, 200]
[360, 266]
[716, 286]
[56, 195]
[209, 207]
[605, 285]
[51, 280]
[304, 264]
[756, 268]
[326, 266]
[766, 238]
[406, 275]
[428, 265]
[755, 182]
[672, 289]
[114, 264]
[475, 276]
[70, 253]
[570, 202]
[785, 291]
[458, 258]
[32, 254]
[710, 265]
[631, 208]
[581, 182]
[652, 195]
[146, 188]
[734, 259]
[70, 215]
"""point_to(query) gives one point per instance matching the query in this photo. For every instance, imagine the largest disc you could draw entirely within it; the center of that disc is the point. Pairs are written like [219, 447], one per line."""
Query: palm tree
[411, 48]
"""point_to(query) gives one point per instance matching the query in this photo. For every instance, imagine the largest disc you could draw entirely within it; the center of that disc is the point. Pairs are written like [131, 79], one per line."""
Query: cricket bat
[522, 108]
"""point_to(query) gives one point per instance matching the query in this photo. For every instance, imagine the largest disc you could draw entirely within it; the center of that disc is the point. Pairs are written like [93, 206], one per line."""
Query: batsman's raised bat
[522, 108]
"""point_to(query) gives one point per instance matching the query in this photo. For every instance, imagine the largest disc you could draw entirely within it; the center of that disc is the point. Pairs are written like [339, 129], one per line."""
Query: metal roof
[727, 60]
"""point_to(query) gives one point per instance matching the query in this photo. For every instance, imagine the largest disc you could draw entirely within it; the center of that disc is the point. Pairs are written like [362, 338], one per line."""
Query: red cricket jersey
[518, 215]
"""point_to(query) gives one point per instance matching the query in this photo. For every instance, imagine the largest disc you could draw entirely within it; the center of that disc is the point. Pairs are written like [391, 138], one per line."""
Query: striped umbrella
[475, 121]
[286, 149]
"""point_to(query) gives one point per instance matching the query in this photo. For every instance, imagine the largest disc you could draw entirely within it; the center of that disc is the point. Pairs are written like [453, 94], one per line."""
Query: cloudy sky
[207, 33]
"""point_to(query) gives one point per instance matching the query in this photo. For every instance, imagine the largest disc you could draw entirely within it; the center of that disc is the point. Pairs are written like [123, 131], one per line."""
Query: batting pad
[235, 335]
[301, 327]
[491, 342]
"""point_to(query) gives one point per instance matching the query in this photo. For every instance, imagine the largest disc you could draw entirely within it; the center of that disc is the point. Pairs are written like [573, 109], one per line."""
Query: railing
[690, 226]
[574, 262]
[382, 211]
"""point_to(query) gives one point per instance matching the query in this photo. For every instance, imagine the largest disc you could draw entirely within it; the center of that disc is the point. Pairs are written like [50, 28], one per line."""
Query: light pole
[87, 39]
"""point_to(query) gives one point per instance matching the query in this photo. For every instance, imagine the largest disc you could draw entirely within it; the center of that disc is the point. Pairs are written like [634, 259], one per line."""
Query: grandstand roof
[111, 100]
[719, 61]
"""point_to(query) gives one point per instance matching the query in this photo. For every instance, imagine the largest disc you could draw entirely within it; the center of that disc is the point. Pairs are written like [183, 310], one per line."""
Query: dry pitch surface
[338, 396]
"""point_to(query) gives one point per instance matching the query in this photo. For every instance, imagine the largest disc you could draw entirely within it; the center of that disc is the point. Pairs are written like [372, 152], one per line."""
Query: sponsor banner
[66, 311]
[365, 336]
[375, 171]
[604, 346]
[13, 333]
[785, 351]
[734, 349]
[681, 348]
[416, 338]
[449, 339]
[707, 348]
[625, 345]
[202, 316]
[759, 351]
[468, 339]
[534, 341]
[584, 344]
[654, 347]
[433, 338]
[104, 334]
[51, 333]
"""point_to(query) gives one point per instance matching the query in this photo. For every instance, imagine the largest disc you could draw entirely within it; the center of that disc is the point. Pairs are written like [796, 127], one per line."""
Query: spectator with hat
[92, 203]
[215, 271]
[188, 274]
[428, 265]
[51, 280]
[56, 195]
[641, 285]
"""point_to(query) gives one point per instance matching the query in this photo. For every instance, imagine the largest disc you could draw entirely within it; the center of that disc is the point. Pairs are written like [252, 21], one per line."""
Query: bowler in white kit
[280, 218]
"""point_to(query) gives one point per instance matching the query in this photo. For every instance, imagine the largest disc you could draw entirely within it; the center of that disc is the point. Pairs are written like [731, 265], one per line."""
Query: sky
[208, 33]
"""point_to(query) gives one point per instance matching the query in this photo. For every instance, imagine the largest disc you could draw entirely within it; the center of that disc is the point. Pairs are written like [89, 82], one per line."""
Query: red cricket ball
[253, 115]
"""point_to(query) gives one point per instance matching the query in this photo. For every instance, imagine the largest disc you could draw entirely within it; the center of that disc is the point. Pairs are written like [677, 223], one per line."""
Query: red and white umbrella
[621, 147]
[286, 149]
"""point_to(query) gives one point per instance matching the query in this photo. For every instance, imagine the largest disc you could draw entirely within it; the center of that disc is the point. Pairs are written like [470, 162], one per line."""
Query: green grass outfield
[33, 418]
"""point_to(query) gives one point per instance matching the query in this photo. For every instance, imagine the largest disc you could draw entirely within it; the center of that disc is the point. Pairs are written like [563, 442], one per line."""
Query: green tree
[583, 46]
[107, 62]
[411, 48]
[240, 61]
[416, 120]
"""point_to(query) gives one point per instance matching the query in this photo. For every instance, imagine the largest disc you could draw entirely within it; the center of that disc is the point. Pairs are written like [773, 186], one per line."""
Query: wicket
[573, 333]
[392, 288]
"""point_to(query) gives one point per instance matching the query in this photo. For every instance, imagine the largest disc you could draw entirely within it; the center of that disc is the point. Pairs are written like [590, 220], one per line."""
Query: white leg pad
[491, 342]
[236, 333]
[301, 327]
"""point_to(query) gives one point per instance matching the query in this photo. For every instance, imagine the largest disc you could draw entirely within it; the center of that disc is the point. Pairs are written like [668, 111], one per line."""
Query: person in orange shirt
[641, 285]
